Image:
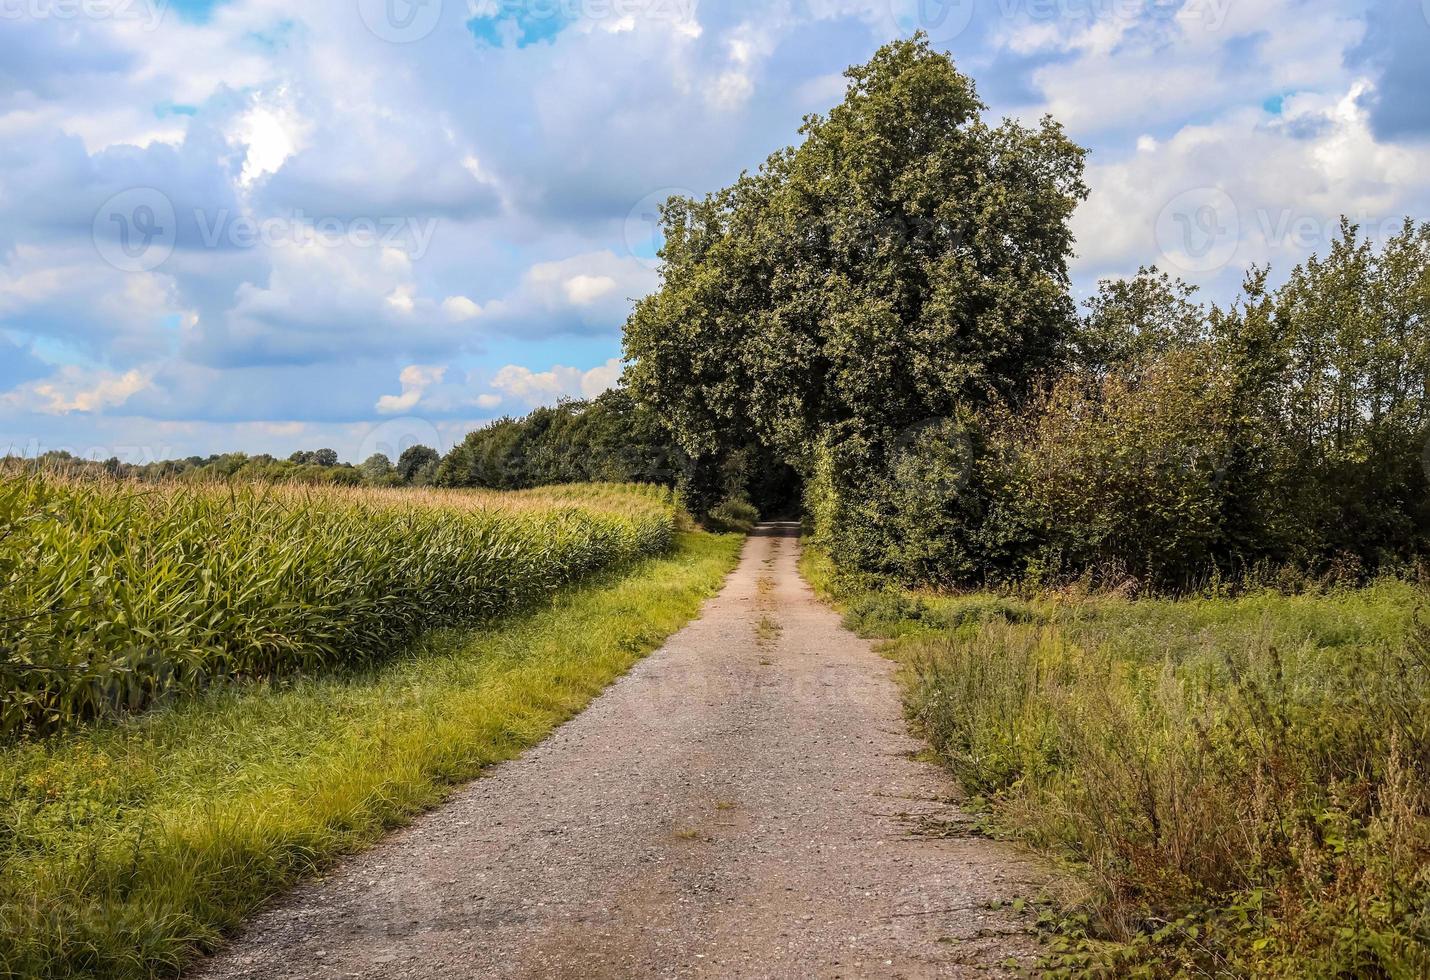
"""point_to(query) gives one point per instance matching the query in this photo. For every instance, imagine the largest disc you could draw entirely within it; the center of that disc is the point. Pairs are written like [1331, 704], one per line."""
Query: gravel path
[745, 803]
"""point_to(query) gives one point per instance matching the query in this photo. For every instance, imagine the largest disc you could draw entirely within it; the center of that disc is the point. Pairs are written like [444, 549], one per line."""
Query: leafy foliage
[609, 438]
[904, 257]
[733, 514]
[1175, 442]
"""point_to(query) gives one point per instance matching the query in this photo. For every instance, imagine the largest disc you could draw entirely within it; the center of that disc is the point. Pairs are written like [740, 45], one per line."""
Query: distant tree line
[416, 466]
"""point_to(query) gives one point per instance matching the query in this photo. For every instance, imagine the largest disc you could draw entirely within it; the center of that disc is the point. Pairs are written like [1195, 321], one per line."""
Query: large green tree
[905, 258]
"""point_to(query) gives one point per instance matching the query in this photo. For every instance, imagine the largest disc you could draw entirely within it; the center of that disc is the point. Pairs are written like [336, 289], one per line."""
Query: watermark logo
[1198, 230]
[941, 20]
[400, 21]
[395, 436]
[135, 230]
[147, 13]
[644, 231]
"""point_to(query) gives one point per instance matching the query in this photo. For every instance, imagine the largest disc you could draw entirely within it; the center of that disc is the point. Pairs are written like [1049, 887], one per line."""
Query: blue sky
[269, 225]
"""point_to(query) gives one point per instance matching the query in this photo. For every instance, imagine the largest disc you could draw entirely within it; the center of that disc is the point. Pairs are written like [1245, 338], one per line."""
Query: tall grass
[1242, 785]
[1247, 794]
[115, 595]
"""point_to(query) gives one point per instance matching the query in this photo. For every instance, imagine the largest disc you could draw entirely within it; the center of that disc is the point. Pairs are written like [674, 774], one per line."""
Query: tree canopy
[905, 257]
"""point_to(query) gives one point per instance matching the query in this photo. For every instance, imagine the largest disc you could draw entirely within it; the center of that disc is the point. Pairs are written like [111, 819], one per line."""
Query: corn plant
[115, 595]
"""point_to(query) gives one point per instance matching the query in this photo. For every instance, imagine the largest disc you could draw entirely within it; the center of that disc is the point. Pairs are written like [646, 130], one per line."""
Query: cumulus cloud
[1393, 51]
[525, 386]
[460, 308]
[415, 379]
[74, 389]
[1248, 187]
[586, 293]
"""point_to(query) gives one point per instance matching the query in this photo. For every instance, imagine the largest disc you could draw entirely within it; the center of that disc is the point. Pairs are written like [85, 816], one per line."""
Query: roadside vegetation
[1235, 785]
[126, 849]
[116, 595]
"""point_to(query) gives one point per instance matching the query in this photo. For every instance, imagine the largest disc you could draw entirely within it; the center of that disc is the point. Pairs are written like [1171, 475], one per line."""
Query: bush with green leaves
[733, 514]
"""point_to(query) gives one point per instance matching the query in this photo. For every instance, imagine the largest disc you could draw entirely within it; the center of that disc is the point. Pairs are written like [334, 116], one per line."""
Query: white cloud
[1275, 184]
[543, 387]
[75, 389]
[271, 133]
[401, 298]
[460, 308]
[583, 290]
[592, 291]
[1134, 66]
[415, 379]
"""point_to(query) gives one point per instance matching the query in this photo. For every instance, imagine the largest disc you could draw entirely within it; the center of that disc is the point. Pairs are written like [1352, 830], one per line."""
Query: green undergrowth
[1237, 786]
[127, 849]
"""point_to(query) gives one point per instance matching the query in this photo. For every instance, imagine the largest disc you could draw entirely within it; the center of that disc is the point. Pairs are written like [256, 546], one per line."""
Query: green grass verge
[128, 849]
[1237, 786]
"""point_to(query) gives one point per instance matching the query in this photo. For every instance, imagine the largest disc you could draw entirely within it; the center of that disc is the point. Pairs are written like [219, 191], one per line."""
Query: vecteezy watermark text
[137, 230]
[222, 229]
[148, 13]
[1303, 232]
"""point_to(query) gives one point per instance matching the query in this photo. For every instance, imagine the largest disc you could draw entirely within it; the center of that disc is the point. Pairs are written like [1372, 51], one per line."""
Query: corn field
[115, 596]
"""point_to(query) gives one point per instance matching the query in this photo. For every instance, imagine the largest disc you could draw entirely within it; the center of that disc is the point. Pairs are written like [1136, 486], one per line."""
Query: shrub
[1172, 445]
[733, 514]
[1123, 475]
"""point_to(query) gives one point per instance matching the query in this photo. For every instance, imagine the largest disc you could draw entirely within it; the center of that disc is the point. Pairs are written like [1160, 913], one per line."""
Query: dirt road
[743, 804]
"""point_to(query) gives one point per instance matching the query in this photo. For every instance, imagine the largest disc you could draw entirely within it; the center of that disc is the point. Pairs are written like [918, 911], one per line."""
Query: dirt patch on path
[744, 803]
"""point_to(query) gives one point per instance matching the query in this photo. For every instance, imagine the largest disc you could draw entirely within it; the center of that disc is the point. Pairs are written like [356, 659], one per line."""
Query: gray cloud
[1394, 49]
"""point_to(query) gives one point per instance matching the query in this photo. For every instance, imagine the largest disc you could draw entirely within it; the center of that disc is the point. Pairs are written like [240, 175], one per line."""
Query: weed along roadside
[129, 848]
[1231, 783]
